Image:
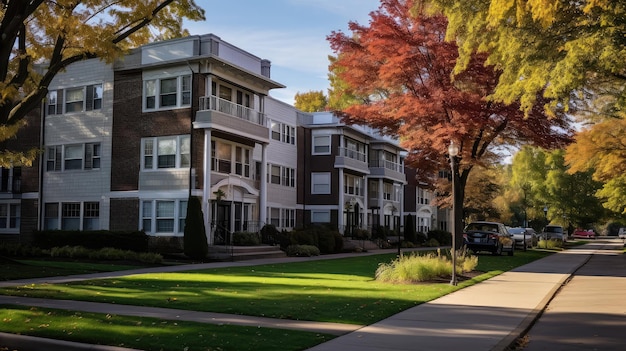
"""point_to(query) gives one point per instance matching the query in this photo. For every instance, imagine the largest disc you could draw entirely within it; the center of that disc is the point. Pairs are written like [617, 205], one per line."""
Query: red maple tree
[398, 75]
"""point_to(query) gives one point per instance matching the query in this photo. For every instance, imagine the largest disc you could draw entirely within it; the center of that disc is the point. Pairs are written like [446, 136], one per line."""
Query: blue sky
[289, 33]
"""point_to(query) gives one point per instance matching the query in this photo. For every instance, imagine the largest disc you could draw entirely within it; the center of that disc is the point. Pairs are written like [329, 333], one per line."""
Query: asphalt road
[589, 312]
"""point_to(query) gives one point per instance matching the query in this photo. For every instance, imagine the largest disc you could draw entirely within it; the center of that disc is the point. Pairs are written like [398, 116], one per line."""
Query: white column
[341, 206]
[263, 186]
[206, 186]
[381, 202]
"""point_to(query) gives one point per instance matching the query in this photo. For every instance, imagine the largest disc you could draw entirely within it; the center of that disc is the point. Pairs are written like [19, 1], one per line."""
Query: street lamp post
[453, 151]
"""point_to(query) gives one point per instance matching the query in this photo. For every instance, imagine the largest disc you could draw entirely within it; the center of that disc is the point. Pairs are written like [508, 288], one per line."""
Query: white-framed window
[320, 183]
[353, 185]
[288, 218]
[281, 175]
[72, 215]
[289, 134]
[167, 93]
[275, 128]
[52, 103]
[321, 145]
[163, 216]
[320, 216]
[274, 174]
[9, 216]
[73, 157]
[225, 155]
[166, 152]
[91, 216]
[388, 191]
[275, 216]
[75, 99]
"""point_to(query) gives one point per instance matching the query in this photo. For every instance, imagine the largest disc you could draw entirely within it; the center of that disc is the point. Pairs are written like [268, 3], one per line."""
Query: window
[91, 217]
[289, 134]
[163, 216]
[9, 216]
[320, 216]
[388, 191]
[275, 175]
[94, 97]
[352, 185]
[321, 145]
[74, 99]
[222, 158]
[51, 214]
[275, 216]
[70, 216]
[320, 183]
[73, 157]
[52, 102]
[288, 218]
[172, 92]
[276, 130]
[171, 152]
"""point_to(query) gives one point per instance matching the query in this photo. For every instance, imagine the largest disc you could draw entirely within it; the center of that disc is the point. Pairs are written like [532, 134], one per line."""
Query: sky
[290, 33]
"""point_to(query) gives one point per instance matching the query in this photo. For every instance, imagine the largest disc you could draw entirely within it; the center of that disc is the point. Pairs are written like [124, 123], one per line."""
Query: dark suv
[488, 236]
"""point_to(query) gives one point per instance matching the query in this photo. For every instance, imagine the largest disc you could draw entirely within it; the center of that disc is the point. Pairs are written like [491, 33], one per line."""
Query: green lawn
[25, 269]
[334, 290]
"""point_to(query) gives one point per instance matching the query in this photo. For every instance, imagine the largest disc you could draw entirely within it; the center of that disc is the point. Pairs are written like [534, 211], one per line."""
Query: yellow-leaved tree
[40, 38]
[602, 149]
[312, 101]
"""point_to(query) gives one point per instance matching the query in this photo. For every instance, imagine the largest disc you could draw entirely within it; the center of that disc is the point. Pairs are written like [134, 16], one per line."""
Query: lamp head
[453, 149]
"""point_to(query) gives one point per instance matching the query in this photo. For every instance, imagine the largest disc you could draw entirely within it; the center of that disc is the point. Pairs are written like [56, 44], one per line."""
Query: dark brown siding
[124, 214]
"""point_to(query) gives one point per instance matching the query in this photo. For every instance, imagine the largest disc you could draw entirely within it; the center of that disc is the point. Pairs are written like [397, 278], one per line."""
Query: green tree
[40, 38]
[195, 241]
[312, 101]
[553, 47]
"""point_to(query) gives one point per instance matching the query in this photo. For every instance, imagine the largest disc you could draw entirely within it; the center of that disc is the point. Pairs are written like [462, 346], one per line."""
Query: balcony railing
[353, 154]
[214, 103]
[386, 164]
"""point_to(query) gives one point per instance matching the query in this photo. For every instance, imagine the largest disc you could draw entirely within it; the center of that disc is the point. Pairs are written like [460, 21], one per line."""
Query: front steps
[242, 253]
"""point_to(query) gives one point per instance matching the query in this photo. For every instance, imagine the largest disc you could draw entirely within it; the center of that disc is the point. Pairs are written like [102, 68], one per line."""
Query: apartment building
[125, 145]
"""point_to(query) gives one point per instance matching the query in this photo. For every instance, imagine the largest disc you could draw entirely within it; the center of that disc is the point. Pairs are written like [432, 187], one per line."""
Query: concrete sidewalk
[487, 316]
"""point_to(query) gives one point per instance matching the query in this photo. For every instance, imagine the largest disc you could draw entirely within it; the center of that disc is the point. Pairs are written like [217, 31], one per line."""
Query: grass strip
[333, 290]
[149, 333]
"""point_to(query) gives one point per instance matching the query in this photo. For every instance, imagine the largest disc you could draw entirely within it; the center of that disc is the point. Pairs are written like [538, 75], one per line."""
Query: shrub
[551, 244]
[19, 250]
[107, 253]
[195, 244]
[443, 237]
[303, 250]
[420, 238]
[270, 235]
[361, 234]
[246, 239]
[432, 243]
[97, 239]
[423, 267]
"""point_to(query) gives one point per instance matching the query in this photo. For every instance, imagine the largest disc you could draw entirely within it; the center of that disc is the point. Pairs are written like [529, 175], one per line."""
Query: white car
[622, 233]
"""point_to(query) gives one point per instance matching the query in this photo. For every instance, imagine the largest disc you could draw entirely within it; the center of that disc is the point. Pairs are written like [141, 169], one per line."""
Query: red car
[584, 234]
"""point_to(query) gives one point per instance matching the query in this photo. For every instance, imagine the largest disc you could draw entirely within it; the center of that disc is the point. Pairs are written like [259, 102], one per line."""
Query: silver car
[523, 237]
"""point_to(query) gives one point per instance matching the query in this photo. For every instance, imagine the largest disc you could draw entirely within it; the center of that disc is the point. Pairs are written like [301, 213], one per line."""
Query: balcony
[387, 169]
[226, 116]
[352, 159]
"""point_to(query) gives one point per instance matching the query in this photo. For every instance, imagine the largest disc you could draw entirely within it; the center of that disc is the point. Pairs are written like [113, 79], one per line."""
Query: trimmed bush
[107, 253]
[98, 239]
[246, 239]
[302, 250]
[270, 235]
[195, 244]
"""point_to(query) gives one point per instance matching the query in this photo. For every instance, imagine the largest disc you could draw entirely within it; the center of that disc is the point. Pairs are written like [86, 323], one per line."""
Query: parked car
[622, 233]
[523, 238]
[555, 232]
[488, 236]
[583, 234]
[534, 235]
